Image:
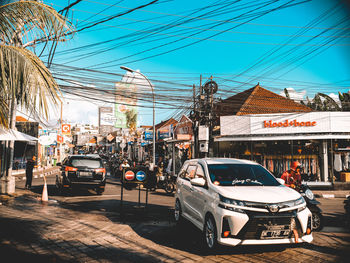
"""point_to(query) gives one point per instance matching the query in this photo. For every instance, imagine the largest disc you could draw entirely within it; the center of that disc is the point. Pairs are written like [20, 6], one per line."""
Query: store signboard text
[287, 123]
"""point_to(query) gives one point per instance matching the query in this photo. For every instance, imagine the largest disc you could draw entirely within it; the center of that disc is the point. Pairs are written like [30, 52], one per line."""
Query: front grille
[259, 222]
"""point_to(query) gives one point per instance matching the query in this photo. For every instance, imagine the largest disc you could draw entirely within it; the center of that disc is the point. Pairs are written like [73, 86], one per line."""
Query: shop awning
[13, 135]
[282, 137]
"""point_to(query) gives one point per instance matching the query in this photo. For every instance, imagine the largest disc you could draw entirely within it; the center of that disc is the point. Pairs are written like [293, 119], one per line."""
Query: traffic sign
[129, 175]
[140, 176]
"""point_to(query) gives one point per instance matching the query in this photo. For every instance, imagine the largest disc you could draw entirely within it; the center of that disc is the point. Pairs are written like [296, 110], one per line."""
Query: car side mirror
[58, 164]
[280, 180]
[198, 182]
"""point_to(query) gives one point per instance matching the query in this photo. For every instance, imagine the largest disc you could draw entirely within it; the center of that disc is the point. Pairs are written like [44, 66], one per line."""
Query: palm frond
[24, 75]
[30, 21]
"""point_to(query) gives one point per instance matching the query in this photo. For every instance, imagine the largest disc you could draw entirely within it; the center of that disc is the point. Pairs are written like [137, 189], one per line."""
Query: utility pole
[195, 125]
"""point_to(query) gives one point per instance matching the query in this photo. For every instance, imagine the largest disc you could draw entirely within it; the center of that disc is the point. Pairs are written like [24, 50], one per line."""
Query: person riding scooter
[292, 177]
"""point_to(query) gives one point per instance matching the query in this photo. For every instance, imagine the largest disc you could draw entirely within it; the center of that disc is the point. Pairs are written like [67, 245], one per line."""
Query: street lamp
[154, 132]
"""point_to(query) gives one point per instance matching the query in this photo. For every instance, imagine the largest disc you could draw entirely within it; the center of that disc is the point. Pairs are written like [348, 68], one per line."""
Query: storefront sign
[148, 135]
[59, 139]
[184, 137]
[287, 123]
[66, 129]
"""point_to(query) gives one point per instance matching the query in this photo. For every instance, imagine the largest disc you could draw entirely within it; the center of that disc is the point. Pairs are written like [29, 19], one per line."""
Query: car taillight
[100, 170]
[71, 169]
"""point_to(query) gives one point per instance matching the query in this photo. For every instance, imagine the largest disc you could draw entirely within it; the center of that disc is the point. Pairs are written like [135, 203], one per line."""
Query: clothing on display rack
[278, 164]
[337, 162]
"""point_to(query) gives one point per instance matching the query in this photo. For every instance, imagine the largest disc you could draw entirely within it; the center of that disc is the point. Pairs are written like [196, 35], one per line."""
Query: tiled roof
[258, 100]
[166, 123]
[20, 118]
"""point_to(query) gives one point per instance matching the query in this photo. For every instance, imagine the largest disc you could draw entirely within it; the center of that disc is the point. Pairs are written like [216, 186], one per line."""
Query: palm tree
[323, 102]
[344, 101]
[131, 119]
[24, 79]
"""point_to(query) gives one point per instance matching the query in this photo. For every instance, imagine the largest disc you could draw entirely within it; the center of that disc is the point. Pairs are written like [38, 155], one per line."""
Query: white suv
[239, 202]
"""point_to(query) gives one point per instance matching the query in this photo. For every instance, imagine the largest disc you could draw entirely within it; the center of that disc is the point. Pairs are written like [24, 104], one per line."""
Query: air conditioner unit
[204, 147]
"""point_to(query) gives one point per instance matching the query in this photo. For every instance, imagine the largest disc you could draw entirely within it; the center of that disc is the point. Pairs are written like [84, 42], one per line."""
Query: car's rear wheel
[210, 233]
[178, 212]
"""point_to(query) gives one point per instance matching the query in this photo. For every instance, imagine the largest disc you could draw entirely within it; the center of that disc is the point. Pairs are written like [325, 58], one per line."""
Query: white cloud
[335, 97]
[294, 95]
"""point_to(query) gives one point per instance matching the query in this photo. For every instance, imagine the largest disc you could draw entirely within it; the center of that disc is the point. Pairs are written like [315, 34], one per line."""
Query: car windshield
[241, 175]
[86, 162]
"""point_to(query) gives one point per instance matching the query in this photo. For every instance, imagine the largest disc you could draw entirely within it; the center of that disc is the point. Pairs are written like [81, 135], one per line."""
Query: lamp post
[154, 132]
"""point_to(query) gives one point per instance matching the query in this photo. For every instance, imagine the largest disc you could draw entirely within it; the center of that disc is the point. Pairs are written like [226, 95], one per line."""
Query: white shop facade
[319, 140]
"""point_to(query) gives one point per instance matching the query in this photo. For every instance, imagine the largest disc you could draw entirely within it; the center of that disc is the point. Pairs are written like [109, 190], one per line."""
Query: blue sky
[230, 56]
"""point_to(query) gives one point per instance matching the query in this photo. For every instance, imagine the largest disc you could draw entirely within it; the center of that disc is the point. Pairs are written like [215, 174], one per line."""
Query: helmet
[295, 165]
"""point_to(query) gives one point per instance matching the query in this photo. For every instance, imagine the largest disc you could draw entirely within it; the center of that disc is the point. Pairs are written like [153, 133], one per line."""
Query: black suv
[86, 171]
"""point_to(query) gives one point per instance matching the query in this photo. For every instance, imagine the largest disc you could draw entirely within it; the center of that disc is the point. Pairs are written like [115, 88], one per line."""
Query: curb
[21, 177]
[332, 195]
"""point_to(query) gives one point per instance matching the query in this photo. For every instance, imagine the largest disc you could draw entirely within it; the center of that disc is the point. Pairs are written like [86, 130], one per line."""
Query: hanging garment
[337, 162]
[346, 162]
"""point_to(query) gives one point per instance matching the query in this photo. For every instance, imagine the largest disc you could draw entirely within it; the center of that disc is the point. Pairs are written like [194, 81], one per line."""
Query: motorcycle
[313, 205]
[164, 181]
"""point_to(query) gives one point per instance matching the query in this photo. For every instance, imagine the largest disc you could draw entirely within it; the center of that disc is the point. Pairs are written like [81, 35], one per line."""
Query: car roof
[84, 156]
[225, 161]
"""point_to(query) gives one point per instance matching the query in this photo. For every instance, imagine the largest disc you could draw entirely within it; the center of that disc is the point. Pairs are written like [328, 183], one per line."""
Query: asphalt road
[86, 227]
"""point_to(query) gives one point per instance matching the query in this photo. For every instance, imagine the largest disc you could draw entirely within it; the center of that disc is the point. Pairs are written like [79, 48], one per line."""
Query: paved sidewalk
[78, 231]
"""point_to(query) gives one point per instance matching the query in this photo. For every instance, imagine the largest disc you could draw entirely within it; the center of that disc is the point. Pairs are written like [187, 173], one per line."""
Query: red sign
[287, 123]
[59, 139]
[129, 175]
[66, 129]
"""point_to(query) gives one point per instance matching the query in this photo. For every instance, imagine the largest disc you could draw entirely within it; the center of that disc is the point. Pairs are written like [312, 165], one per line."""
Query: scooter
[165, 182]
[313, 205]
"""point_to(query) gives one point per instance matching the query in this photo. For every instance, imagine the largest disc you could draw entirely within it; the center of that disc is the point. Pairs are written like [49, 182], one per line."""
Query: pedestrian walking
[29, 172]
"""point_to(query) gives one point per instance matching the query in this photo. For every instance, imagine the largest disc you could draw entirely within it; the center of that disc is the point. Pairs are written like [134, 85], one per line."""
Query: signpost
[134, 177]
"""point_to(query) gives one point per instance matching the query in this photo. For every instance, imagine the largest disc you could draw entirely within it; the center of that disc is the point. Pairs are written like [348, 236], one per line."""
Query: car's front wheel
[317, 221]
[210, 233]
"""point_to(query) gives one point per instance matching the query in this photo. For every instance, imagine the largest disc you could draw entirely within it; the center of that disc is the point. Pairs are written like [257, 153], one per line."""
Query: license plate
[270, 234]
[85, 174]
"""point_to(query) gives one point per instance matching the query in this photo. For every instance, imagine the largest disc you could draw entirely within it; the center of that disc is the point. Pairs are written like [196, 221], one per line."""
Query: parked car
[85, 171]
[239, 202]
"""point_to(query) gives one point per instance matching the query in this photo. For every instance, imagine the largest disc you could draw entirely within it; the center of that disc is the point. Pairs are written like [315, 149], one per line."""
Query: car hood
[262, 194]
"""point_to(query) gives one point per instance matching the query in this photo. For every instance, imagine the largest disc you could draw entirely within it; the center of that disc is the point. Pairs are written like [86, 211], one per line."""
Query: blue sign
[148, 135]
[140, 176]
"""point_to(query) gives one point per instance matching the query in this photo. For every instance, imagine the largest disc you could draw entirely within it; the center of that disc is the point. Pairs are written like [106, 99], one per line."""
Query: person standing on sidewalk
[29, 172]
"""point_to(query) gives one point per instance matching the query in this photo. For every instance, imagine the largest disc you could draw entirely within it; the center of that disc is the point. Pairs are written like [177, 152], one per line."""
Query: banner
[125, 105]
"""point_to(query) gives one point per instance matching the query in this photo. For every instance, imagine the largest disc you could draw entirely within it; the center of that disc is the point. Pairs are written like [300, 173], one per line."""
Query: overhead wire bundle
[162, 33]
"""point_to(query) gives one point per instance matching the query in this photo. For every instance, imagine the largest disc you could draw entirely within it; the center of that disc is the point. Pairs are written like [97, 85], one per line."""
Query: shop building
[318, 140]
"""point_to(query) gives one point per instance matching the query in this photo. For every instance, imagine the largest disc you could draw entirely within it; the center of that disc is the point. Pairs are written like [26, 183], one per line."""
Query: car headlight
[299, 201]
[231, 201]
[309, 194]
